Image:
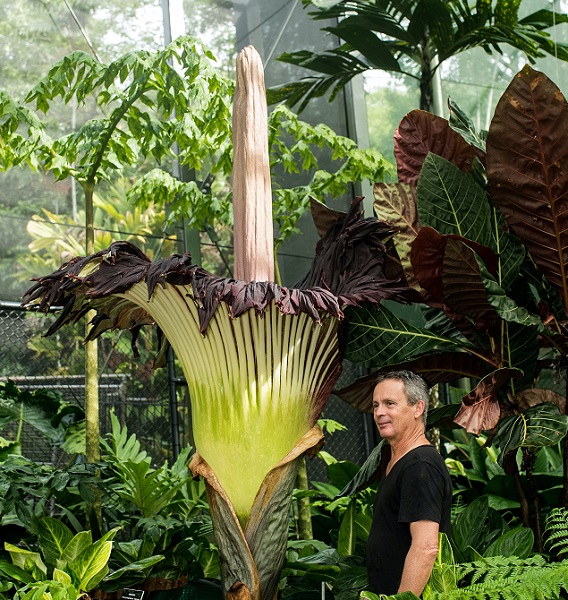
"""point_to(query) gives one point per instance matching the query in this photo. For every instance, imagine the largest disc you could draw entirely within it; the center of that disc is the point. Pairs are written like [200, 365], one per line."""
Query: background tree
[413, 38]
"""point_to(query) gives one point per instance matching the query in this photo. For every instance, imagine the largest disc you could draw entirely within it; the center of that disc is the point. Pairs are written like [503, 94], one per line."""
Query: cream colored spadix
[252, 195]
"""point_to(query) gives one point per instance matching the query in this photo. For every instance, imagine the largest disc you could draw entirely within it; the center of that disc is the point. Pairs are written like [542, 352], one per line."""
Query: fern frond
[509, 578]
[556, 532]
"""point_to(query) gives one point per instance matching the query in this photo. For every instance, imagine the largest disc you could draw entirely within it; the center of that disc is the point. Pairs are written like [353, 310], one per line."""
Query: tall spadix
[252, 193]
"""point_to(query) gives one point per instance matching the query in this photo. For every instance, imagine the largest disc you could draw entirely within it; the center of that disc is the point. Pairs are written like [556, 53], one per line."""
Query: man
[414, 499]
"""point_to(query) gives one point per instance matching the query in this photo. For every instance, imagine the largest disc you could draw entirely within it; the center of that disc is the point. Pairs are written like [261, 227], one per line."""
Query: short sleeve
[421, 493]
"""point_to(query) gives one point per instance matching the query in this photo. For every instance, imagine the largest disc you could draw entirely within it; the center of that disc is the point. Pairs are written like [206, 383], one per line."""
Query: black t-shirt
[418, 488]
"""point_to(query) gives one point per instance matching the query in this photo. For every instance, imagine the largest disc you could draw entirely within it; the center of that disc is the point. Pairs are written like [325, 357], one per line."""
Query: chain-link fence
[153, 404]
[137, 394]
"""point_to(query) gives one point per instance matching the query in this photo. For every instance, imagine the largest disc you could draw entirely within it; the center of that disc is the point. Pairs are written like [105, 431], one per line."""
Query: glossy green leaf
[516, 542]
[367, 474]
[54, 536]
[377, 337]
[139, 565]
[467, 528]
[347, 539]
[452, 202]
[443, 578]
[79, 544]
[15, 572]
[460, 122]
[538, 426]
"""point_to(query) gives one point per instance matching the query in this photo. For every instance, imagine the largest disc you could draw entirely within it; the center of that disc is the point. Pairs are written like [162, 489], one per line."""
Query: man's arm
[421, 556]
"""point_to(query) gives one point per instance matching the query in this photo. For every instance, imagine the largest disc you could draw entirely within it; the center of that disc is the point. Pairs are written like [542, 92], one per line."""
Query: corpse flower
[260, 359]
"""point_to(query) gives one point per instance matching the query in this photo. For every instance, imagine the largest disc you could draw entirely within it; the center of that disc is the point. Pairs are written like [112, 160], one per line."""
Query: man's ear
[419, 408]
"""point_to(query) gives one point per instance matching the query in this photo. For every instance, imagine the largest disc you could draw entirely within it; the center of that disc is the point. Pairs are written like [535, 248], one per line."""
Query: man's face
[394, 417]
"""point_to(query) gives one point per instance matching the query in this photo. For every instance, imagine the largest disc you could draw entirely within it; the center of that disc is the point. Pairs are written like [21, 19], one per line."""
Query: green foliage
[44, 410]
[403, 37]
[66, 566]
[166, 105]
[556, 532]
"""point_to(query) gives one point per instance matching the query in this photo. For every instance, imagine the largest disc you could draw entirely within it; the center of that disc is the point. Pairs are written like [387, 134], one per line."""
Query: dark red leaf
[421, 132]
[527, 168]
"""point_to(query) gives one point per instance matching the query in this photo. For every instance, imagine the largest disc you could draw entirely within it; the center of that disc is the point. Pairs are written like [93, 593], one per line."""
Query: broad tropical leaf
[527, 167]
[420, 133]
[538, 426]
[461, 123]
[54, 536]
[452, 202]
[370, 470]
[378, 337]
[533, 396]
[443, 577]
[521, 349]
[516, 542]
[347, 531]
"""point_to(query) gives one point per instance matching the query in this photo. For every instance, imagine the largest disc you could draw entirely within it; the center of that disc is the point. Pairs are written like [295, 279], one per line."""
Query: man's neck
[401, 447]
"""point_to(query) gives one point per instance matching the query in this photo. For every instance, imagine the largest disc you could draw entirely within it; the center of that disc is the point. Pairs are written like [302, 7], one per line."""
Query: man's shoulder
[426, 457]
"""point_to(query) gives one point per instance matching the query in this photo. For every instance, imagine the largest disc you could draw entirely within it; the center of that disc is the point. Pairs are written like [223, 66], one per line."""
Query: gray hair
[414, 386]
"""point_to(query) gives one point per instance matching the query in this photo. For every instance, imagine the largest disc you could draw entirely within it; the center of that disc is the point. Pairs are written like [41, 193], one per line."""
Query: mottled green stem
[305, 530]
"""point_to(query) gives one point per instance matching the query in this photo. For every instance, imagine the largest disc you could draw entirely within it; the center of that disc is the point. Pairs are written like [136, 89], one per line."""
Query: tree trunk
[426, 91]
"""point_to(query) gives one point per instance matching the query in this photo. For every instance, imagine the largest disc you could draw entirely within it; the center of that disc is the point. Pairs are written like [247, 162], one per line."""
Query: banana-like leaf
[527, 167]
[379, 337]
[452, 202]
[538, 426]
[420, 133]
[434, 368]
[480, 408]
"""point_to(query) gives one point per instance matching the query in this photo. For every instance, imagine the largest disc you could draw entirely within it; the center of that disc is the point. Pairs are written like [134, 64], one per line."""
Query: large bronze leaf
[421, 132]
[463, 284]
[480, 408]
[428, 254]
[527, 167]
